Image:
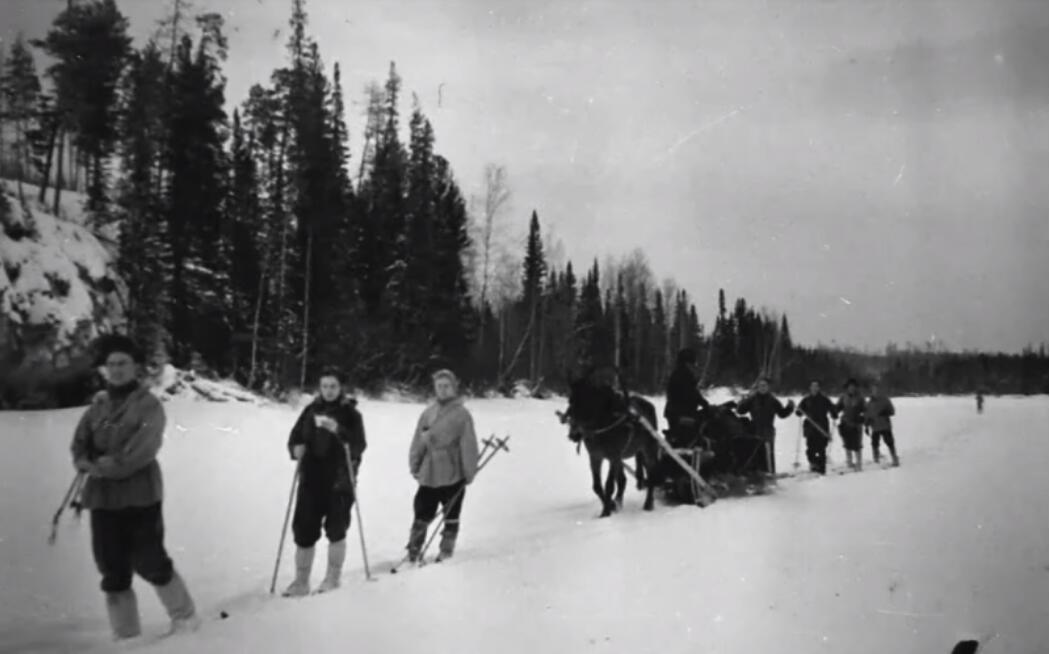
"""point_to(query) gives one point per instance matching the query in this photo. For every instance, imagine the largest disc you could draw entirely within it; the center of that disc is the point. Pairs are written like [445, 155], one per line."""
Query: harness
[590, 434]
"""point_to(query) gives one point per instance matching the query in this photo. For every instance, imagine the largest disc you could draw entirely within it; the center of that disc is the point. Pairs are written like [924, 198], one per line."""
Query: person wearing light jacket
[443, 459]
[115, 445]
[878, 412]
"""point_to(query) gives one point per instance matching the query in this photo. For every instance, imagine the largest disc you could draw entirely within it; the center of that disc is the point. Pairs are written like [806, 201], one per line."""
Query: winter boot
[875, 455]
[448, 540]
[123, 610]
[896, 460]
[177, 601]
[304, 561]
[416, 537]
[336, 557]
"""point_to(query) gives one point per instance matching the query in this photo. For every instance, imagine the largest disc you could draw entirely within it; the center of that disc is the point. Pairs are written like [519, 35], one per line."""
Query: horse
[605, 422]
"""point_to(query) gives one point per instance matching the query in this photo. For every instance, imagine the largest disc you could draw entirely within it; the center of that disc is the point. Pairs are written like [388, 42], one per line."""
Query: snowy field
[950, 545]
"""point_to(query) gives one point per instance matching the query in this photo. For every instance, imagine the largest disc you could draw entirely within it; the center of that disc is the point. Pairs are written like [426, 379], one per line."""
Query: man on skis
[443, 458]
[115, 445]
[683, 399]
[814, 410]
[764, 407]
[878, 412]
[851, 406]
[327, 439]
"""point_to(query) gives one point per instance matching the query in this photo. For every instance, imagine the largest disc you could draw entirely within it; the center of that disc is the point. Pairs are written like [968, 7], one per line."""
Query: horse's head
[592, 403]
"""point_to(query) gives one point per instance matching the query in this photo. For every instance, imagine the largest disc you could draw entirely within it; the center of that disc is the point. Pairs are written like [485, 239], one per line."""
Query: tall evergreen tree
[20, 87]
[90, 46]
[533, 276]
[144, 254]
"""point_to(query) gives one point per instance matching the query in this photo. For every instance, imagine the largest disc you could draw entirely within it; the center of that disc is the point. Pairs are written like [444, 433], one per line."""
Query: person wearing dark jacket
[115, 446]
[814, 410]
[443, 458]
[683, 396]
[328, 437]
[852, 407]
[764, 407]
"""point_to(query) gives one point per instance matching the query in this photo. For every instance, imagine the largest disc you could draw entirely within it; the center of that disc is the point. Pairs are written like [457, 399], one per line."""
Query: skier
[851, 406]
[115, 445]
[877, 415]
[815, 408]
[980, 402]
[443, 458]
[764, 407]
[329, 432]
[683, 398]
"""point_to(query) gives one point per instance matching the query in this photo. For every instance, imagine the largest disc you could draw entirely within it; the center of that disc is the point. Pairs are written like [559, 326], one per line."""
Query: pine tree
[21, 90]
[533, 276]
[197, 166]
[143, 252]
[90, 44]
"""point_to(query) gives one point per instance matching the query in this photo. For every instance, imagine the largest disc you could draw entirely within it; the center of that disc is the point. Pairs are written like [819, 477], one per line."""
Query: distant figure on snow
[328, 438]
[116, 445]
[878, 413]
[683, 397]
[851, 406]
[980, 402]
[443, 458]
[814, 410]
[764, 407]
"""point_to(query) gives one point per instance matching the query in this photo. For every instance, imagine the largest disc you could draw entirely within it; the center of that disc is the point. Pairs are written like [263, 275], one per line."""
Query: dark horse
[599, 416]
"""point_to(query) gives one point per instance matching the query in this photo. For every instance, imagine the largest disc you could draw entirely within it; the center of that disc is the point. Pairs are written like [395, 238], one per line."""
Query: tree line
[255, 245]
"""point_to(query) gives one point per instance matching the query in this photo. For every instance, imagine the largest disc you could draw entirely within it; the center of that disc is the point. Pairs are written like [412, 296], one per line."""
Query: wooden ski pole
[357, 512]
[284, 528]
[78, 479]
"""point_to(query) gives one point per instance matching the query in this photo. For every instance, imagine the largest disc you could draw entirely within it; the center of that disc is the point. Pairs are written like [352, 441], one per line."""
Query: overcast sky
[876, 169]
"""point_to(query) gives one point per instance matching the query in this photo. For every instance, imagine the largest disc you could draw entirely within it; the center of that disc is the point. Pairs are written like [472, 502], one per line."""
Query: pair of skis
[491, 446]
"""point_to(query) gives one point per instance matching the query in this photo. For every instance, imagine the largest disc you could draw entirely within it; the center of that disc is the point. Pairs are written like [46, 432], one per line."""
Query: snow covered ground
[954, 543]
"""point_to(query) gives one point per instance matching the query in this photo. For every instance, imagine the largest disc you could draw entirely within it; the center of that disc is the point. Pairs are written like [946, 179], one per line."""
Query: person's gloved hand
[298, 451]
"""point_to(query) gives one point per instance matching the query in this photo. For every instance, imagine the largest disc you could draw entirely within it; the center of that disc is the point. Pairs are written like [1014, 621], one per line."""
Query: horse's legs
[641, 474]
[615, 473]
[621, 486]
[650, 462]
[596, 484]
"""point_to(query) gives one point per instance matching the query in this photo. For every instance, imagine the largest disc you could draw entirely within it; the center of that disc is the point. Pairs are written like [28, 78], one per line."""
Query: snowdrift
[911, 560]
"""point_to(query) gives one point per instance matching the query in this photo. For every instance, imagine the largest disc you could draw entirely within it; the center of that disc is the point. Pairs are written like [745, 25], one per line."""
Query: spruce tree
[20, 87]
[533, 276]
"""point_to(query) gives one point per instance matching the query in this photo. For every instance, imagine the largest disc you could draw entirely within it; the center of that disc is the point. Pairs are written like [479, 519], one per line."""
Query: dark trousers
[851, 437]
[428, 498]
[885, 435]
[316, 506]
[128, 541]
[817, 453]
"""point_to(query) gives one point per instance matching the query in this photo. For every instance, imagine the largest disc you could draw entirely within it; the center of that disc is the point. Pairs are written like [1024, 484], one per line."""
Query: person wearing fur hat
[328, 434]
[115, 445]
[443, 458]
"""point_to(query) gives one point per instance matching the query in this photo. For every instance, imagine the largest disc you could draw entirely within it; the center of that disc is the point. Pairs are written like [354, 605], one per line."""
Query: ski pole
[486, 444]
[798, 446]
[499, 444]
[284, 529]
[78, 479]
[357, 512]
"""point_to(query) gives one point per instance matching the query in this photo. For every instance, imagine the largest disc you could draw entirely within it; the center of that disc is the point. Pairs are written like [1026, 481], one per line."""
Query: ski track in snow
[953, 544]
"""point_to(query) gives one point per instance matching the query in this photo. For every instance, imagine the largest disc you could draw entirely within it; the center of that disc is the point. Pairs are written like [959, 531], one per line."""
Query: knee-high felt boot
[336, 557]
[416, 537]
[448, 539]
[177, 601]
[123, 610]
[304, 562]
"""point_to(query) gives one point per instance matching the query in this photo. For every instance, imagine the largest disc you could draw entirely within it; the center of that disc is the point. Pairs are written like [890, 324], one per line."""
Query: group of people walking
[856, 415]
[115, 449]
